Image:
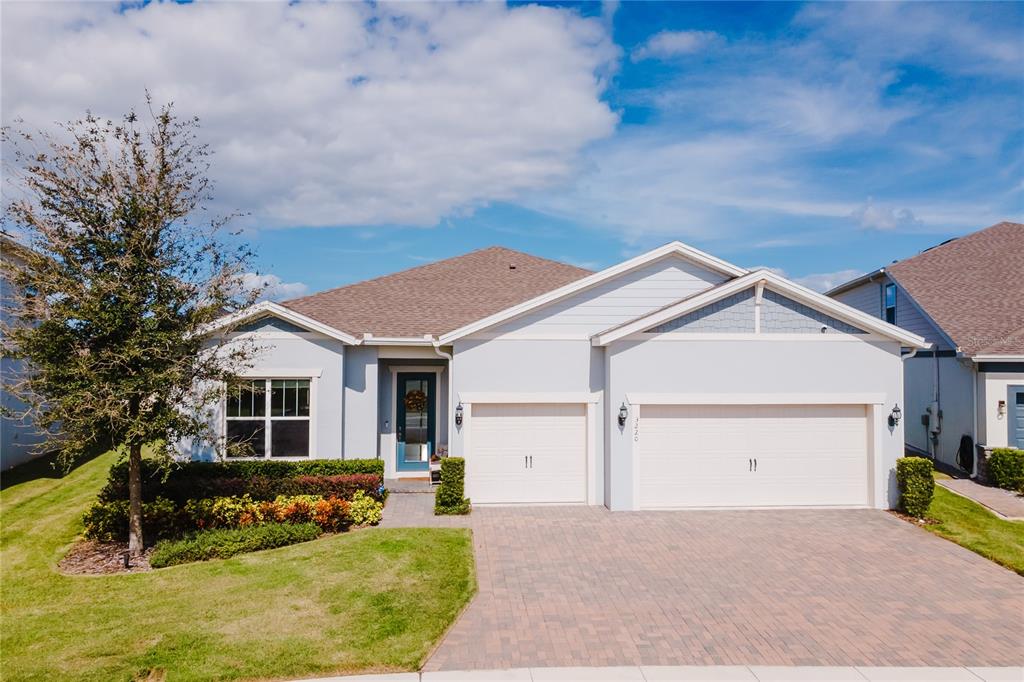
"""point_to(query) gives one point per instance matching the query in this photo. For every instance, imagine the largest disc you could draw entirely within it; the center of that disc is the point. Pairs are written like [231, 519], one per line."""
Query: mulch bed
[913, 519]
[88, 557]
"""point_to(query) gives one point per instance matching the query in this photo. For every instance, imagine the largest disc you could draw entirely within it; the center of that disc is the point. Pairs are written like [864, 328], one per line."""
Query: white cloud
[667, 44]
[872, 216]
[335, 113]
[824, 281]
[273, 288]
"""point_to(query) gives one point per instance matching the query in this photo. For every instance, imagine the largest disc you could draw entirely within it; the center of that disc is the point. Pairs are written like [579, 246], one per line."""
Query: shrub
[297, 509]
[365, 510]
[1006, 468]
[917, 485]
[449, 497]
[108, 521]
[224, 543]
[332, 514]
[200, 480]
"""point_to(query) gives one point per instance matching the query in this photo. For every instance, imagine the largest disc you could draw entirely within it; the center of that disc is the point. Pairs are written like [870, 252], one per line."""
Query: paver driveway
[570, 586]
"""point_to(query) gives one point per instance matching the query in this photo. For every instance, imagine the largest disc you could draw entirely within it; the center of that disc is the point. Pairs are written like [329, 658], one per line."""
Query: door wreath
[415, 401]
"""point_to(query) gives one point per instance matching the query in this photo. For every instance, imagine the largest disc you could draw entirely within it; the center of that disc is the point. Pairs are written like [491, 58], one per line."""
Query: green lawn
[370, 600]
[972, 526]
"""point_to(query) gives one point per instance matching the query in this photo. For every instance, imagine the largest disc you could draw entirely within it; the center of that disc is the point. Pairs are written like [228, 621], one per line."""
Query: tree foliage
[117, 275]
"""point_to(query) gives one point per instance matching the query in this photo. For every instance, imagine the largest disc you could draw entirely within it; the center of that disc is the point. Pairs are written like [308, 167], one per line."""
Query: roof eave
[856, 282]
[278, 310]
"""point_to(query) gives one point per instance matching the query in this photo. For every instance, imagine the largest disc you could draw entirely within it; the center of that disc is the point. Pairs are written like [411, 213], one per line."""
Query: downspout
[904, 358]
[451, 386]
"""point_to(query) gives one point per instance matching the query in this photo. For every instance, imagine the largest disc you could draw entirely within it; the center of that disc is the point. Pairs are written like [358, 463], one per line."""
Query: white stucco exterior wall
[306, 355]
[955, 378]
[359, 411]
[814, 366]
[511, 366]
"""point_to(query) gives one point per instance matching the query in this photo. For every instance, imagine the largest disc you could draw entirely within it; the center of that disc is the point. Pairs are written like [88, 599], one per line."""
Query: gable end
[781, 315]
[731, 315]
[270, 323]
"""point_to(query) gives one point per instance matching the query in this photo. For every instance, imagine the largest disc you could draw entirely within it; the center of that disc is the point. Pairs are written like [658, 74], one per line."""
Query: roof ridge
[493, 247]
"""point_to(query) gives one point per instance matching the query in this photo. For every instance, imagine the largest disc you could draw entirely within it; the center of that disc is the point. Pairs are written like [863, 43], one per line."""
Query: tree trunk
[135, 500]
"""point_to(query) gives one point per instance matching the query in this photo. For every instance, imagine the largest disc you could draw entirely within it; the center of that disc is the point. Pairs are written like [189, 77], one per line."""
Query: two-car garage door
[751, 456]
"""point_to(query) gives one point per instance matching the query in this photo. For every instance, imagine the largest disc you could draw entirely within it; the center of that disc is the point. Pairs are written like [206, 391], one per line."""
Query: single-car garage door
[527, 453]
[752, 456]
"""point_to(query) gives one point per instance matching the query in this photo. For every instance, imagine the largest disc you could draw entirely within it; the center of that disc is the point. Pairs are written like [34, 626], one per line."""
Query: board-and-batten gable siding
[868, 298]
[617, 300]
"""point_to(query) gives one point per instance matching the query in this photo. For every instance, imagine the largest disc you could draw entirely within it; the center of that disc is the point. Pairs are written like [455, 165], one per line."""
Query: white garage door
[704, 456]
[527, 453]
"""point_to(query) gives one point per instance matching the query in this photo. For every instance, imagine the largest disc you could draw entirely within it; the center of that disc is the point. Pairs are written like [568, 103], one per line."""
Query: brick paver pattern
[1005, 502]
[582, 586]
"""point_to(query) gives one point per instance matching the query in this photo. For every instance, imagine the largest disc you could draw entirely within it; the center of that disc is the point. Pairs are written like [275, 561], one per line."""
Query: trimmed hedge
[224, 543]
[1006, 468]
[261, 480]
[449, 496]
[917, 485]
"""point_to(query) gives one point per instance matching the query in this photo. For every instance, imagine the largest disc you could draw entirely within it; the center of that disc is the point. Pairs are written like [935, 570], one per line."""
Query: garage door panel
[527, 453]
[700, 455]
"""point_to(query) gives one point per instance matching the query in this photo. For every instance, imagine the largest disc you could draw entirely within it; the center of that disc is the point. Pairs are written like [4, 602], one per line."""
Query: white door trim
[389, 442]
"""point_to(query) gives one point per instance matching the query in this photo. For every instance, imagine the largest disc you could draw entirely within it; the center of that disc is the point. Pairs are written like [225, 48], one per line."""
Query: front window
[268, 418]
[890, 303]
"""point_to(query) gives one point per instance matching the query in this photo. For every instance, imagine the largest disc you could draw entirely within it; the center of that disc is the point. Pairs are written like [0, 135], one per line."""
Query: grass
[367, 601]
[972, 526]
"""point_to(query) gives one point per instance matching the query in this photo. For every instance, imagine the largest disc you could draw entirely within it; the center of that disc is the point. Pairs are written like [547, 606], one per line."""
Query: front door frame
[392, 449]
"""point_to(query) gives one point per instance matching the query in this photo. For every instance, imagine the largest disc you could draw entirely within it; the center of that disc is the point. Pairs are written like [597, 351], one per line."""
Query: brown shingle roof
[439, 297]
[973, 288]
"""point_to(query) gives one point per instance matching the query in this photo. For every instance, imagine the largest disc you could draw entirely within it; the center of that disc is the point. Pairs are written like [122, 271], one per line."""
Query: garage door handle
[526, 461]
[755, 464]
[750, 465]
[531, 461]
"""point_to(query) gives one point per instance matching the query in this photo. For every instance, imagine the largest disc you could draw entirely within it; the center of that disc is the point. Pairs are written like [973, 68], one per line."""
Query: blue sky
[822, 140]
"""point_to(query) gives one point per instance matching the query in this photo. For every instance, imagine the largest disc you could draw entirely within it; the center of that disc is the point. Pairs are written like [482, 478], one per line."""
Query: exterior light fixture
[458, 414]
[895, 416]
[623, 413]
[1001, 409]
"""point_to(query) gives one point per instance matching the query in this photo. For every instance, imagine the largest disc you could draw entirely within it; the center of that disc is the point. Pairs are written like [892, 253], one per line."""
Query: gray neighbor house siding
[932, 376]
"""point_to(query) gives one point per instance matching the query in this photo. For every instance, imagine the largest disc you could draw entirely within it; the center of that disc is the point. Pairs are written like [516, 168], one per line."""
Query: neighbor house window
[268, 417]
[890, 303]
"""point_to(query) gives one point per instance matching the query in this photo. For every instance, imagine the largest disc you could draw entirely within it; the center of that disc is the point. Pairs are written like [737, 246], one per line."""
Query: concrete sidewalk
[722, 673]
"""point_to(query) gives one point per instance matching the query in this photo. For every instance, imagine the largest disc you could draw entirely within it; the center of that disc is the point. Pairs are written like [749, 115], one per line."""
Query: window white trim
[282, 373]
[314, 380]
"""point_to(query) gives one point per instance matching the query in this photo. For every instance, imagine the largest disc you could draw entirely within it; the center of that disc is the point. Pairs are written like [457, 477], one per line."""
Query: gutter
[436, 345]
[868, 277]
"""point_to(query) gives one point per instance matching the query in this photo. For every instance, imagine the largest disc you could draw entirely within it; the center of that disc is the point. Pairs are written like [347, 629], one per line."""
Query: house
[19, 439]
[671, 380]
[965, 296]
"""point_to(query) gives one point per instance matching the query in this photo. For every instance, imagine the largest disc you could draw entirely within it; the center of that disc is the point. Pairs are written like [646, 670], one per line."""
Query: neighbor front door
[416, 420]
[1016, 412]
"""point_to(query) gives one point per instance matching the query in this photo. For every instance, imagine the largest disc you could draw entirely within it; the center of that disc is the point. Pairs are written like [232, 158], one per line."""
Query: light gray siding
[18, 437]
[732, 315]
[781, 315]
[742, 367]
[868, 298]
[951, 380]
[618, 300]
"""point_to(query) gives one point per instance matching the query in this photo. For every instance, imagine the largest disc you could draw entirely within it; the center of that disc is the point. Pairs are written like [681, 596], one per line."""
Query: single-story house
[966, 297]
[671, 380]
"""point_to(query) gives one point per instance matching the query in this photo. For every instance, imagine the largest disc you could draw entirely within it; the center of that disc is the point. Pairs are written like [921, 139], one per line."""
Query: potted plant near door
[435, 463]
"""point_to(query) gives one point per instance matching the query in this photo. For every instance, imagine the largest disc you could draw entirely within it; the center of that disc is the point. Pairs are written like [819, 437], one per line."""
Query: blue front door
[415, 420]
[1016, 412]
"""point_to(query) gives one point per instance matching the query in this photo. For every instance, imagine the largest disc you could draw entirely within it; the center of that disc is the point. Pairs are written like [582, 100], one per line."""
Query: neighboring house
[965, 296]
[18, 437]
[673, 379]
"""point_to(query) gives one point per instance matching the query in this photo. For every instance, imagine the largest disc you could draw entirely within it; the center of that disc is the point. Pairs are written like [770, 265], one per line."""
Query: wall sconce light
[895, 416]
[458, 414]
[623, 413]
[1001, 410]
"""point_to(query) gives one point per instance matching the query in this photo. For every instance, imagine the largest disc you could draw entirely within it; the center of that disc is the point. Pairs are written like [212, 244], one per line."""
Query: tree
[121, 276]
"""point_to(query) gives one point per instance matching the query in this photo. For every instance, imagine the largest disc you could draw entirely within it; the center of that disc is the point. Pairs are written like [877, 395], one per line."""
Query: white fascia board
[371, 340]
[278, 310]
[998, 358]
[528, 398]
[674, 248]
[781, 285]
[755, 398]
[856, 282]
